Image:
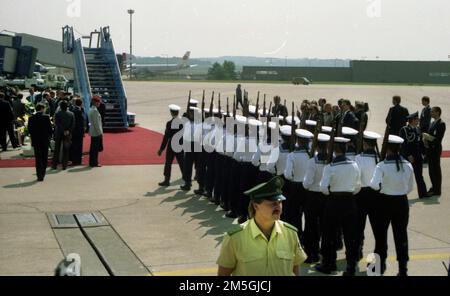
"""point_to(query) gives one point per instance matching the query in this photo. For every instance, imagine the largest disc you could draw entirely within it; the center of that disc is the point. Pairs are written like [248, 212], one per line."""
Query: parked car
[301, 80]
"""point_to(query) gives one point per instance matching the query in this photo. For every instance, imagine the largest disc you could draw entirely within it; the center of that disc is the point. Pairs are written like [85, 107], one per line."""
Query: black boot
[326, 268]
[312, 259]
[350, 271]
[242, 219]
[199, 191]
[186, 187]
[402, 268]
[164, 183]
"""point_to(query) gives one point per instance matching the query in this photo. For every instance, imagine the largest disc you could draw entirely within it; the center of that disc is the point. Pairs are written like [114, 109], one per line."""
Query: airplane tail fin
[184, 60]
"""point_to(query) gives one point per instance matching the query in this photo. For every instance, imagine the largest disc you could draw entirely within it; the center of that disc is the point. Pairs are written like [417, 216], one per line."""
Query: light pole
[130, 12]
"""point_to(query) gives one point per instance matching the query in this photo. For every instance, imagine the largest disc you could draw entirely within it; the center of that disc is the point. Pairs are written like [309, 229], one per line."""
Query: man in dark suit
[348, 118]
[6, 123]
[76, 149]
[412, 151]
[425, 115]
[167, 143]
[64, 125]
[40, 129]
[239, 96]
[396, 118]
[433, 143]
[279, 109]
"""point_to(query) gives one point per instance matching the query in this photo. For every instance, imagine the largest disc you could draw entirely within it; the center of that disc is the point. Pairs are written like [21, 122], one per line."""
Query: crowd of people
[333, 175]
[55, 121]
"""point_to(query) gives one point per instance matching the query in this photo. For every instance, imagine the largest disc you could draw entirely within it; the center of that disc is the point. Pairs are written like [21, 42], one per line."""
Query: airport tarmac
[146, 229]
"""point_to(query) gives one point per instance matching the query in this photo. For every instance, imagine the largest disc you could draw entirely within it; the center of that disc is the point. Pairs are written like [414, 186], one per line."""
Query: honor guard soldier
[167, 142]
[341, 180]
[395, 177]
[264, 245]
[280, 165]
[315, 201]
[267, 153]
[350, 133]
[412, 150]
[367, 197]
[295, 173]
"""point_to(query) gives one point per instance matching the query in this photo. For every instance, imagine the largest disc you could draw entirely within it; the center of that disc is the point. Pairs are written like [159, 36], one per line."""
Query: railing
[81, 75]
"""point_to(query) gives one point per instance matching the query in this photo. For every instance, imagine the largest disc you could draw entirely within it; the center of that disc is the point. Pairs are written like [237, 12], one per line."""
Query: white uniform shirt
[280, 164]
[313, 175]
[342, 175]
[366, 163]
[265, 160]
[296, 165]
[393, 182]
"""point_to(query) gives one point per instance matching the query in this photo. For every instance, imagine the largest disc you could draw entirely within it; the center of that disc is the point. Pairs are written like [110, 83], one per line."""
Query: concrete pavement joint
[429, 236]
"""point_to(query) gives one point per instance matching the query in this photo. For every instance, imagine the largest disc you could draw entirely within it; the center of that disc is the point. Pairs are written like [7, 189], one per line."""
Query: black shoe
[324, 268]
[312, 259]
[223, 206]
[199, 191]
[164, 183]
[242, 219]
[230, 214]
[185, 187]
[208, 195]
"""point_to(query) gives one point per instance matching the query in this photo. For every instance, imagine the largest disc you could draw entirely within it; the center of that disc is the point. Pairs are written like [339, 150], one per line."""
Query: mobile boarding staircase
[97, 72]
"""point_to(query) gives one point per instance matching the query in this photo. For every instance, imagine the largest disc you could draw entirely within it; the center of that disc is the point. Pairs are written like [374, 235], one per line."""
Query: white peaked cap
[271, 125]
[254, 122]
[252, 109]
[341, 140]
[311, 122]
[395, 139]
[193, 101]
[302, 133]
[371, 135]
[323, 137]
[173, 107]
[349, 131]
[241, 119]
[289, 119]
[327, 129]
[285, 130]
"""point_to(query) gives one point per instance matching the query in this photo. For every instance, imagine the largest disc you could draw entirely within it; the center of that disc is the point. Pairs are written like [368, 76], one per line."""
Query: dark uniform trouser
[60, 147]
[434, 169]
[340, 209]
[314, 209]
[41, 158]
[225, 182]
[234, 194]
[247, 181]
[3, 135]
[7, 127]
[392, 210]
[210, 171]
[76, 149]
[219, 168]
[170, 155]
[365, 202]
[418, 174]
[295, 205]
[190, 158]
[93, 150]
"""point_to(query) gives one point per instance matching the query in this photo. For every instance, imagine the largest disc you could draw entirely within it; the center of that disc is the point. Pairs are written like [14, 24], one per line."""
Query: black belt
[341, 193]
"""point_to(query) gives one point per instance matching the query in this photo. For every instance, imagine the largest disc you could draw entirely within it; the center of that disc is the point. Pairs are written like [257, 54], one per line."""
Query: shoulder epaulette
[238, 228]
[292, 227]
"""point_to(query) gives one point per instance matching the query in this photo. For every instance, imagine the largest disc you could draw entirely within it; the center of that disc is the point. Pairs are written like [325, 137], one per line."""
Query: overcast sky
[354, 29]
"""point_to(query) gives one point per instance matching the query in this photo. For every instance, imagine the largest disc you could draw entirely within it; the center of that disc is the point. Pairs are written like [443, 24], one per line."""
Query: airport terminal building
[359, 71]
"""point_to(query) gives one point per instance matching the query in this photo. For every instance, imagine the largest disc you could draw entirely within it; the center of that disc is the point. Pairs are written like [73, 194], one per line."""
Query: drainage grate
[67, 220]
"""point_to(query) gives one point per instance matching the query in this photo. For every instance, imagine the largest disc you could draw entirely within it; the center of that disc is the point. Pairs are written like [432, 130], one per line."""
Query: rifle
[385, 142]
[234, 106]
[188, 102]
[293, 127]
[331, 143]
[264, 106]
[315, 139]
[284, 117]
[386, 137]
[203, 105]
[303, 121]
[211, 105]
[220, 111]
[228, 108]
[359, 144]
[257, 106]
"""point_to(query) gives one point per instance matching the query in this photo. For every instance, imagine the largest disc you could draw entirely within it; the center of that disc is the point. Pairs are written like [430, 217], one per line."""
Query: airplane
[38, 67]
[161, 68]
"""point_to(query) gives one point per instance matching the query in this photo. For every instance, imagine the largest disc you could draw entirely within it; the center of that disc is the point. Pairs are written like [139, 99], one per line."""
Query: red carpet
[137, 146]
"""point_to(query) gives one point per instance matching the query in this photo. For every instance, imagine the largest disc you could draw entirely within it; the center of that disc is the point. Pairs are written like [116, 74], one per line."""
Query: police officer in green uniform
[263, 245]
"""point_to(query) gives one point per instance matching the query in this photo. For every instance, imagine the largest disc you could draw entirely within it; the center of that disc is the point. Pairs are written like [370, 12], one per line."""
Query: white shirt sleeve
[256, 158]
[308, 180]
[325, 182]
[288, 170]
[358, 180]
[376, 178]
[411, 178]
